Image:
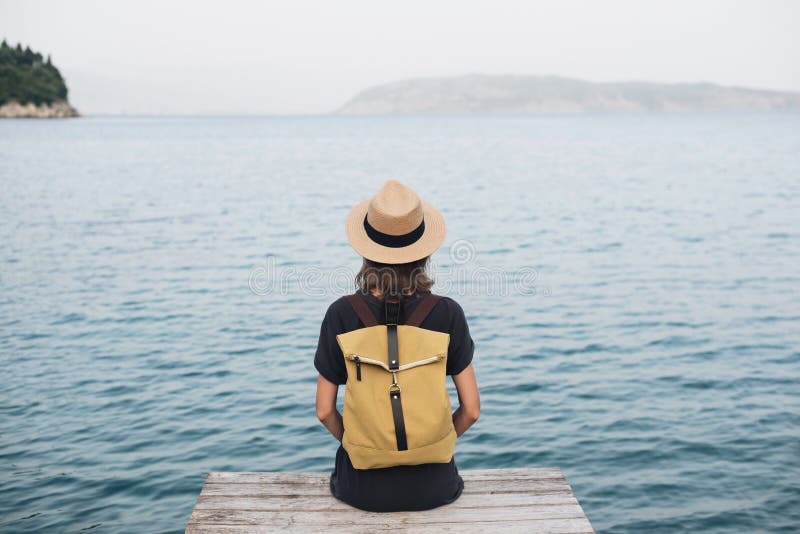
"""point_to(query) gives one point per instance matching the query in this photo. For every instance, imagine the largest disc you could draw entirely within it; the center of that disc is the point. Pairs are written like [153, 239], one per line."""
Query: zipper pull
[358, 368]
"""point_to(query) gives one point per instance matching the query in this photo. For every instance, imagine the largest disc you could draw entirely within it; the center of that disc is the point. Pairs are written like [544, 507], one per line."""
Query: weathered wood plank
[344, 518]
[551, 526]
[317, 478]
[508, 500]
[489, 486]
[300, 503]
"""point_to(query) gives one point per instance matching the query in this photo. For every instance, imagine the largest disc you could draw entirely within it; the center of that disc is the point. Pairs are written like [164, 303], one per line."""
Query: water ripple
[659, 371]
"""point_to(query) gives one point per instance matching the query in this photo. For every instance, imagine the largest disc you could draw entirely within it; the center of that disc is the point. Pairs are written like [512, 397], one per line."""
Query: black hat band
[394, 241]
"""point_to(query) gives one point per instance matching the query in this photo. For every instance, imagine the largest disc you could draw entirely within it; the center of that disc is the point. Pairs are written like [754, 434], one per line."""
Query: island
[31, 86]
[527, 95]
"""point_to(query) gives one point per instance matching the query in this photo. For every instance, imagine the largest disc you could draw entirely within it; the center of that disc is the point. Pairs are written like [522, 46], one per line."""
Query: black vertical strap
[391, 335]
[394, 353]
[397, 414]
[394, 364]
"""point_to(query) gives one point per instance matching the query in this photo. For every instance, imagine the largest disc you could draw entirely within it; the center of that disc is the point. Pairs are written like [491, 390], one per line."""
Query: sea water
[632, 284]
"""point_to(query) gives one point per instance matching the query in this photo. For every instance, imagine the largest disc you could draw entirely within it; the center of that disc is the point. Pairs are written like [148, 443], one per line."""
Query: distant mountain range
[483, 94]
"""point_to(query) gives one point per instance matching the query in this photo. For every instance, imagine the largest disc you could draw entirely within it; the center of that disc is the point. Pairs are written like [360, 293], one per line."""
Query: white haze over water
[309, 57]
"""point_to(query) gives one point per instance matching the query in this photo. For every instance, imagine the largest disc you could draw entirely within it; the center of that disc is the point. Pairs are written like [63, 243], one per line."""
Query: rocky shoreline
[56, 110]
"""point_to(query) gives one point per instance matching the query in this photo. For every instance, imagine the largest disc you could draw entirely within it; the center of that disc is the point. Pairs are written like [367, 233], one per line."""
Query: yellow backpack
[396, 406]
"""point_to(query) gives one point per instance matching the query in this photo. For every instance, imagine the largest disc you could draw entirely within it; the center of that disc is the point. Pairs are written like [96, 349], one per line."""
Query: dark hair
[392, 279]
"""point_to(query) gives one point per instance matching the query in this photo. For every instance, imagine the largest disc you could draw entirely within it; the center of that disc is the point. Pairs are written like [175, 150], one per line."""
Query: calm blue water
[163, 281]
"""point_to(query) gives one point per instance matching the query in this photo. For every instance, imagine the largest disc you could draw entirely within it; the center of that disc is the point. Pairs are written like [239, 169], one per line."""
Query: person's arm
[326, 407]
[469, 400]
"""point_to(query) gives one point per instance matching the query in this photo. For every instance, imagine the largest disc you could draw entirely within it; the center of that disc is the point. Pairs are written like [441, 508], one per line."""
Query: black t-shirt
[412, 487]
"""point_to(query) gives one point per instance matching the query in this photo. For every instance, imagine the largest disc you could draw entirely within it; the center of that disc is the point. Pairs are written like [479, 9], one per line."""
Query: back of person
[386, 424]
[392, 343]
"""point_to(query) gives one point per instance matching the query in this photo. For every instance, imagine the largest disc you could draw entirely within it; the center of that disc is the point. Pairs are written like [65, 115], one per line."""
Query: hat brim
[431, 239]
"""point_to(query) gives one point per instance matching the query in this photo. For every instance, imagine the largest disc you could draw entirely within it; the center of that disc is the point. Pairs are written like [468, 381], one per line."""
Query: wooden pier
[494, 500]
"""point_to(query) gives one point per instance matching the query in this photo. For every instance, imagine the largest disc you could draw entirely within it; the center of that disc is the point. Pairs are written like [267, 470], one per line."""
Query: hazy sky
[309, 57]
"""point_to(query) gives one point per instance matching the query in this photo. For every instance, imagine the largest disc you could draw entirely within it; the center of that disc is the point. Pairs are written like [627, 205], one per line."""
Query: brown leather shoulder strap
[423, 309]
[362, 310]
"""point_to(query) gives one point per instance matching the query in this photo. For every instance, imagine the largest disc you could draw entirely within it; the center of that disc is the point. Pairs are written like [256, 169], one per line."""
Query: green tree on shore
[26, 77]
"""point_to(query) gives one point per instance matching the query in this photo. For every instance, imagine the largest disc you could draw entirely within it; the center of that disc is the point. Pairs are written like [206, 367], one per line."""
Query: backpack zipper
[426, 361]
[361, 359]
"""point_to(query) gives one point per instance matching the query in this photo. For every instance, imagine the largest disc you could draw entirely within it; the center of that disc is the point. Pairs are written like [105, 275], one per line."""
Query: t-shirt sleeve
[329, 360]
[461, 349]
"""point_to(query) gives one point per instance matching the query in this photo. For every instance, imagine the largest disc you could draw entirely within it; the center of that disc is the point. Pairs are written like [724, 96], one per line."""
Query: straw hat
[395, 226]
